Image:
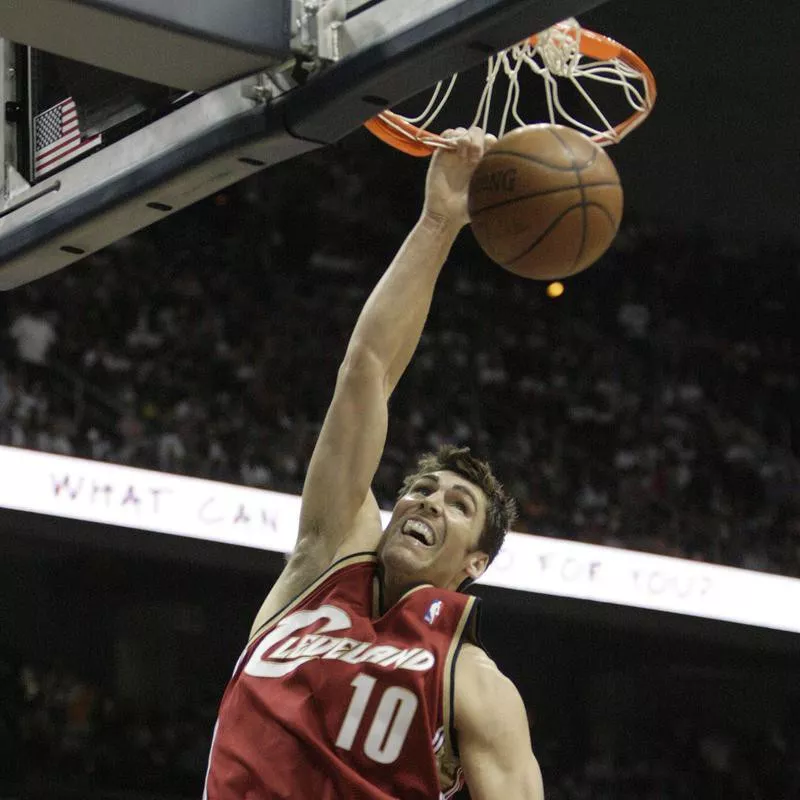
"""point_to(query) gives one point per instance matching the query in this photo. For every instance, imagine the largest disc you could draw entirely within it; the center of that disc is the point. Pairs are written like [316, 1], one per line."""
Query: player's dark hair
[501, 510]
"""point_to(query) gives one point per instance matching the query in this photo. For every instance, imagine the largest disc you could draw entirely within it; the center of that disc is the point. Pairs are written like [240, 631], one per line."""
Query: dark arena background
[647, 419]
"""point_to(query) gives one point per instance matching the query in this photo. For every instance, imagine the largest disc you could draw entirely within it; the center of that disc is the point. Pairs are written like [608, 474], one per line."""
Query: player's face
[433, 534]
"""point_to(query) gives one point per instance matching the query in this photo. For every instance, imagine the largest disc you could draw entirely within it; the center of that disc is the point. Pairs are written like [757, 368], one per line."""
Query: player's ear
[476, 564]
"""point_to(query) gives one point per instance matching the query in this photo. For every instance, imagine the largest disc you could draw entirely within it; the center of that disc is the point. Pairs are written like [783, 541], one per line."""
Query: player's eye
[423, 490]
[461, 506]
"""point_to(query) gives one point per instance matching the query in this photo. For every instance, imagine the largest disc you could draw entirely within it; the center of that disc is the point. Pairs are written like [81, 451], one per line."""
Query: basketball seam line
[577, 170]
[540, 161]
[543, 234]
[608, 214]
[583, 215]
[540, 194]
[552, 225]
[583, 226]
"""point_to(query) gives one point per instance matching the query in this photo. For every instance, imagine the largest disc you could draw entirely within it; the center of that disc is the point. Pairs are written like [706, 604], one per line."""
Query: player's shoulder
[487, 705]
[480, 686]
[302, 581]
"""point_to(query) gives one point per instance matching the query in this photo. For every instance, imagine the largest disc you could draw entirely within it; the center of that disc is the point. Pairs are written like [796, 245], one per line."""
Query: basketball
[545, 202]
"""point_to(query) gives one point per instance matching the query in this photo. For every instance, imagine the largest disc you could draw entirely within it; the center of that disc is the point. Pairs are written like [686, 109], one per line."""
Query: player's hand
[447, 184]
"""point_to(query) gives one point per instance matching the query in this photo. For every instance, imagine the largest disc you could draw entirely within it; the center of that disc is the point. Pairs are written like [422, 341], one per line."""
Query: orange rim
[403, 135]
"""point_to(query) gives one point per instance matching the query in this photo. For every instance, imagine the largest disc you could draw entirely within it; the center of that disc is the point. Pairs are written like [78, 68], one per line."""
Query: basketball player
[363, 677]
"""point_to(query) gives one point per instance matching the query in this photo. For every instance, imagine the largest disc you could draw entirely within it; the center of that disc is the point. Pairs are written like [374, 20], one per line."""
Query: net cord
[554, 55]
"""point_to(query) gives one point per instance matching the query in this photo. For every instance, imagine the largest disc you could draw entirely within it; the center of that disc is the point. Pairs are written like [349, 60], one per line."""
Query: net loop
[559, 48]
[564, 53]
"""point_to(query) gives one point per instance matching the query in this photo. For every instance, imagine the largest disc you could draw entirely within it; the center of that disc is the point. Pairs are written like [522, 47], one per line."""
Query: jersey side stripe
[448, 681]
[210, 756]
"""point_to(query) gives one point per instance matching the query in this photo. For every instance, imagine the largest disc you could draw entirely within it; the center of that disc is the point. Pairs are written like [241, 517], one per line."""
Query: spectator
[34, 333]
[628, 412]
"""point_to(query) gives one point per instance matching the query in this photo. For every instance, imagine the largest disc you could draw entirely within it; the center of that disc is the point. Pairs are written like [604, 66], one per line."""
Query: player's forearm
[392, 320]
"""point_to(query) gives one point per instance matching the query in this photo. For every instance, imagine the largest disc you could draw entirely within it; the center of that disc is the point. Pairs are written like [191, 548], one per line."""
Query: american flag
[57, 137]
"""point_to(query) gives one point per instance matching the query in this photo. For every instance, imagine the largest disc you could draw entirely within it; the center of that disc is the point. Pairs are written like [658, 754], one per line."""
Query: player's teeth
[420, 528]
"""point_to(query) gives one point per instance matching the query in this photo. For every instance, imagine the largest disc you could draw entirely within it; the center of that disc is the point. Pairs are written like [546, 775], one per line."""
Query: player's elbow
[362, 368]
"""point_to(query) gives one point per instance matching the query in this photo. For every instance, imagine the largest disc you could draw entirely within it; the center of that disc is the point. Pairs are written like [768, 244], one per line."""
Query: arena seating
[653, 406]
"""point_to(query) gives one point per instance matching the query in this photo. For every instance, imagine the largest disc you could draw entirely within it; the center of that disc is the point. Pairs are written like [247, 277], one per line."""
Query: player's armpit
[493, 737]
[311, 557]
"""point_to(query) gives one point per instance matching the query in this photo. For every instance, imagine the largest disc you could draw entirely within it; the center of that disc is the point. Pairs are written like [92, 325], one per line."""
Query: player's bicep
[347, 452]
[494, 740]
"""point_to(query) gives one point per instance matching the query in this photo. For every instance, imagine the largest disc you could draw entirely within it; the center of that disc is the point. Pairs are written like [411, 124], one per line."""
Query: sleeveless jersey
[332, 700]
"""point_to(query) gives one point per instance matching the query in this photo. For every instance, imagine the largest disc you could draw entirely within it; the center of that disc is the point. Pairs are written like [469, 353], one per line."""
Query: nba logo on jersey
[433, 611]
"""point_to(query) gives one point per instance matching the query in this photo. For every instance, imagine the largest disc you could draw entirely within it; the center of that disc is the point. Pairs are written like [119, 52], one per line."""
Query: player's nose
[432, 504]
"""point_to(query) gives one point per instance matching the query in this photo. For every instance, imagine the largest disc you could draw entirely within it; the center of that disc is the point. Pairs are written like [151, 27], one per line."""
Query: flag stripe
[74, 152]
[46, 152]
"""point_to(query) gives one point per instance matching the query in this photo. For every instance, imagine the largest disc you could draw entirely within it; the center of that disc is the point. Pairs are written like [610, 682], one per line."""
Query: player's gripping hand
[447, 184]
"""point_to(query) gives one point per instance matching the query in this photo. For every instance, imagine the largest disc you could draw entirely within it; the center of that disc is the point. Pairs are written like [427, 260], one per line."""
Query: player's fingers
[462, 142]
[474, 144]
[456, 135]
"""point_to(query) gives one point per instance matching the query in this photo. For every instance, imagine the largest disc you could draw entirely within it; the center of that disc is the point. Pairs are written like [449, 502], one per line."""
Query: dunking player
[362, 677]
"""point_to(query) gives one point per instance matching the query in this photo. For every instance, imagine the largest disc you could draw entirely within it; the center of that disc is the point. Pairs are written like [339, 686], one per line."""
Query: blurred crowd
[686, 762]
[64, 736]
[654, 405]
[63, 733]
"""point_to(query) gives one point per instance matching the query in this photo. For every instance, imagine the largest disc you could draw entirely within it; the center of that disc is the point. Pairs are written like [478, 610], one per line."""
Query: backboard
[238, 91]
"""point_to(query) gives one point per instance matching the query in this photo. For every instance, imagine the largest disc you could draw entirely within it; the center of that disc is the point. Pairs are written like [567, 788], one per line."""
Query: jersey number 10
[389, 728]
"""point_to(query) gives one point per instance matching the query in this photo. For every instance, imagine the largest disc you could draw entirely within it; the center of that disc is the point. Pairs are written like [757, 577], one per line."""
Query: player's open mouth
[419, 530]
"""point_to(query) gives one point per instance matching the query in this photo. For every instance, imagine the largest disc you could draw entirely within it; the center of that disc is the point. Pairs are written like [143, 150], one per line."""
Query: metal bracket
[316, 28]
[270, 84]
[258, 88]
[14, 185]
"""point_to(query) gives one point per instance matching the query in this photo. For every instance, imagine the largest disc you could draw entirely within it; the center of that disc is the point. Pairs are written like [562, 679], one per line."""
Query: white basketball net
[555, 57]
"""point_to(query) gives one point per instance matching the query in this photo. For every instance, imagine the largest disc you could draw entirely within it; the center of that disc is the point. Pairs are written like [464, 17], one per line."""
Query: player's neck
[393, 593]
[395, 586]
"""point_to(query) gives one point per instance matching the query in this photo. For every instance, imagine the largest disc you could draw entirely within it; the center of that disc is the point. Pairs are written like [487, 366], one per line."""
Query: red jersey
[332, 700]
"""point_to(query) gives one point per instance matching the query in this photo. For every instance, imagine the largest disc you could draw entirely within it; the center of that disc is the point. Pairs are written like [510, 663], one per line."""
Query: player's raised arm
[385, 337]
[339, 514]
[493, 737]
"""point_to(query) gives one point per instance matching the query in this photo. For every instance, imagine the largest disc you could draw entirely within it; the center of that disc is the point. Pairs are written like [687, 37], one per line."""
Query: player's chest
[336, 640]
[372, 686]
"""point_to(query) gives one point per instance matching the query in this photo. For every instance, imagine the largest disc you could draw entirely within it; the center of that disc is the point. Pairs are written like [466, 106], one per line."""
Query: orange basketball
[545, 202]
